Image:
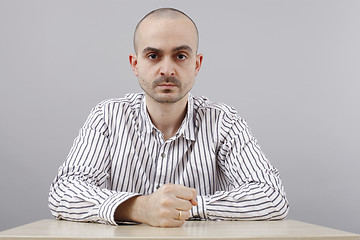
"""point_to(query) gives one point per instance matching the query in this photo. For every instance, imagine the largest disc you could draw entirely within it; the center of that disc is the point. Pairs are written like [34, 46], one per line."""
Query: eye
[152, 56]
[181, 56]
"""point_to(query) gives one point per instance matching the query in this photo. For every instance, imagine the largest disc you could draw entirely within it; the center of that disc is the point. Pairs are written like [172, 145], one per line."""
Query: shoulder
[126, 106]
[113, 111]
[129, 101]
[203, 104]
[219, 115]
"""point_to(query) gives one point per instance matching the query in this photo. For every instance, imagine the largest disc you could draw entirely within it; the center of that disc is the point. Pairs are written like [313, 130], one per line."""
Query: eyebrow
[151, 49]
[183, 47]
[156, 50]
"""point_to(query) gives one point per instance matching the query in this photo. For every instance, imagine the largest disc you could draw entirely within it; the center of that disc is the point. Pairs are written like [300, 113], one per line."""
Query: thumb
[193, 200]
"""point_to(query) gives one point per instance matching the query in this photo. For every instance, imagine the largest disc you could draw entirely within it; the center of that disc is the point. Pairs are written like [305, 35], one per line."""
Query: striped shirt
[120, 154]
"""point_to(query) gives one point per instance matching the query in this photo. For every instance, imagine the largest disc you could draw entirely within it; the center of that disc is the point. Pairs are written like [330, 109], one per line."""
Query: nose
[167, 67]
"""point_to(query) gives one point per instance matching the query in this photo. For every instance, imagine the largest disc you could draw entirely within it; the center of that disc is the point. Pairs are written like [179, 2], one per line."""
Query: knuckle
[188, 206]
[165, 223]
[165, 202]
[164, 213]
[167, 188]
[179, 223]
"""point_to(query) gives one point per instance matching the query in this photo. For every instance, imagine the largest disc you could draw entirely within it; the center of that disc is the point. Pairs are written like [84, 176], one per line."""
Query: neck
[167, 117]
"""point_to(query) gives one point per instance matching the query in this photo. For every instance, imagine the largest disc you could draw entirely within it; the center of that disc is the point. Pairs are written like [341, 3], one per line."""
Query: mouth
[166, 85]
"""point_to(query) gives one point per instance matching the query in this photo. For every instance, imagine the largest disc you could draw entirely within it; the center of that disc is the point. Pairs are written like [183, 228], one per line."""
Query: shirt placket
[162, 172]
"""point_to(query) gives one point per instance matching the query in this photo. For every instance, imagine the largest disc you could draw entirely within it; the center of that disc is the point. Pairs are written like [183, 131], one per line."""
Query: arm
[79, 191]
[249, 187]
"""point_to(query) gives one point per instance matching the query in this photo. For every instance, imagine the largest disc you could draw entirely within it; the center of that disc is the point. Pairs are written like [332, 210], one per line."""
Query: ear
[134, 63]
[198, 63]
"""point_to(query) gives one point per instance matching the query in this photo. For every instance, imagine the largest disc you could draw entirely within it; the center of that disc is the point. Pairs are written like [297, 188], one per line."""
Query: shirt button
[163, 155]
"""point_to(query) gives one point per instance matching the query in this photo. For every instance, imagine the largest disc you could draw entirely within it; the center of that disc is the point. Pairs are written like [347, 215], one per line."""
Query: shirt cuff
[199, 211]
[108, 208]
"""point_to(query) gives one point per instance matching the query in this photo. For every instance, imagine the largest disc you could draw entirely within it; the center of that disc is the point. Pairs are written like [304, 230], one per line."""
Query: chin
[166, 98]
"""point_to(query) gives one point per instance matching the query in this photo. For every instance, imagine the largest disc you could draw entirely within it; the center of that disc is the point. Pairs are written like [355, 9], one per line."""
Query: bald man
[164, 156]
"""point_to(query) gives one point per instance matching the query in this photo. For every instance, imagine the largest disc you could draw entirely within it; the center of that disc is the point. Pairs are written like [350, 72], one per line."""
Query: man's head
[166, 60]
[164, 12]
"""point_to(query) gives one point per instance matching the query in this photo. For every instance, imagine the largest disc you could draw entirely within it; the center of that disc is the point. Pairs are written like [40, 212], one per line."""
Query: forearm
[130, 210]
[252, 189]
[250, 202]
[73, 198]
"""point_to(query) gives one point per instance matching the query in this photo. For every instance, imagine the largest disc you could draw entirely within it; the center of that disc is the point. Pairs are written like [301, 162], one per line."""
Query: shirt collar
[146, 124]
[187, 128]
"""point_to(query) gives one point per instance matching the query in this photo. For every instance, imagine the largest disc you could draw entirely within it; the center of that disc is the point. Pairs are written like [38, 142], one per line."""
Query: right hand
[160, 208]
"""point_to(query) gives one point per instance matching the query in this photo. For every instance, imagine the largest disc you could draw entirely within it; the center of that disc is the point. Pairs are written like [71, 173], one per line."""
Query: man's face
[166, 62]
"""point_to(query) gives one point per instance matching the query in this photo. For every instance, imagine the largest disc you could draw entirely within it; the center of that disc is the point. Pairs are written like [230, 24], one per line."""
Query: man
[163, 156]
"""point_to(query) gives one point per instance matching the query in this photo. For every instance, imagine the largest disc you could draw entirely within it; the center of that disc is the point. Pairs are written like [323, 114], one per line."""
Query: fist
[169, 206]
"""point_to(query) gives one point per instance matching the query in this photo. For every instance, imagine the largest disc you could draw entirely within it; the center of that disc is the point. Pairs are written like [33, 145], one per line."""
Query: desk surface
[287, 229]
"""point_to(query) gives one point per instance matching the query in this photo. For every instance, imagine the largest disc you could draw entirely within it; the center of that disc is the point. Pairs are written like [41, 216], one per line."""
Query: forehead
[165, 32]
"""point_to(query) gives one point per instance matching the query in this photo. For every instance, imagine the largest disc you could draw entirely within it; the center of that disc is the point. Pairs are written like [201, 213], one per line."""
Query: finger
[194, 191]
[182, 215]
[171, 223]
[182, 204]
[185, 192]
[176, 223]
[181, 192]
[194, 202]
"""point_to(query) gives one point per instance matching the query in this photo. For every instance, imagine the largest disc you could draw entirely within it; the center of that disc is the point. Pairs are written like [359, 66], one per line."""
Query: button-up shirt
[119, 154]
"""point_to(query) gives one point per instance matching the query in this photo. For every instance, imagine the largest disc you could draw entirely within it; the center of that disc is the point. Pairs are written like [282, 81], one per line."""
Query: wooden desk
[287, 229]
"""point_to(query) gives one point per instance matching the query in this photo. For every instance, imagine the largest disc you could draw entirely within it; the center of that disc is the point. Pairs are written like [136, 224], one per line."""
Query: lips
[166, 85]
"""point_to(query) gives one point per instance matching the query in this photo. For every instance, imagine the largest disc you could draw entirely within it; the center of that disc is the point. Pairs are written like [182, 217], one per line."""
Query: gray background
[290, 68]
